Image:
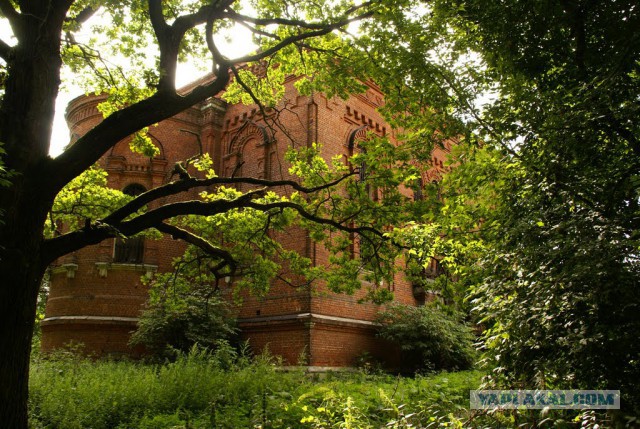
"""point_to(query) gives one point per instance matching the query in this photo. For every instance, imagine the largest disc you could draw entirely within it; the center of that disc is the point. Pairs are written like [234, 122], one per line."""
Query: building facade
[96, 294]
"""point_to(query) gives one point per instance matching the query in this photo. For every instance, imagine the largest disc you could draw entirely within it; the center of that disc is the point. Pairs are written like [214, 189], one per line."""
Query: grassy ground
[227, 391]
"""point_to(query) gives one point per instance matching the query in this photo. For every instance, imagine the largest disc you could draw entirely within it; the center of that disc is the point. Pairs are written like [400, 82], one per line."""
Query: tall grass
[224, 390]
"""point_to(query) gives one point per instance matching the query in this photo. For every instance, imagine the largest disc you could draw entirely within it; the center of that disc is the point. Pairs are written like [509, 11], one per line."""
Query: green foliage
[250, 235]
[201, 390]
[551, 191]
[86, 198]
[68, 392]
[452, 239]
[539, 220]
[429, 338]
[228, 390]
[540, 214]
[141, 143]
[180, 315]
[4, 174]
[116, 63]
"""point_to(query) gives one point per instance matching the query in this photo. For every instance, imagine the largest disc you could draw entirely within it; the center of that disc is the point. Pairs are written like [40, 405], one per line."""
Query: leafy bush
[429, 338]
[180, 315]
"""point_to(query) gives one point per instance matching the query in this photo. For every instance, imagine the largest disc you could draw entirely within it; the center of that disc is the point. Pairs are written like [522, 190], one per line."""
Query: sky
[236, 43]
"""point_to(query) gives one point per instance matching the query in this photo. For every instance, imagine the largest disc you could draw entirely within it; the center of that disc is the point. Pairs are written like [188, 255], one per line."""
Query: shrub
[182, 315]
[429, 338]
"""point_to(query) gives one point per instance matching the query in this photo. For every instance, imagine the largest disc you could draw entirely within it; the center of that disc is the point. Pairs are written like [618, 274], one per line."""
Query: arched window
[358, 135]
[354, 148]
[358, 247]
[253, 143]
[134, 189]
[130, 250]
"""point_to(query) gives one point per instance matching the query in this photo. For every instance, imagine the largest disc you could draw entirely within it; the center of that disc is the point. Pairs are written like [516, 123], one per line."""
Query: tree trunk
[21, 271]
[16, 328]
[26, 115]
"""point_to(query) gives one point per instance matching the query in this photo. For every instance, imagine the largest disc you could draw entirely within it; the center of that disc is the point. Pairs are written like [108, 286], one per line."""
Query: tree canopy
[537, 222]
[547, 180]
[304, 41]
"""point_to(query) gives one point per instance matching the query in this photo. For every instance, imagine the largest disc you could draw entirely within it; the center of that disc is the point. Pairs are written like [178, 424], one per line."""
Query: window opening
[130, 250]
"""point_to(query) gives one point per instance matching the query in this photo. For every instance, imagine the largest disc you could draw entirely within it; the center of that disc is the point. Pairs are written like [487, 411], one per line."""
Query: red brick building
[96, 294]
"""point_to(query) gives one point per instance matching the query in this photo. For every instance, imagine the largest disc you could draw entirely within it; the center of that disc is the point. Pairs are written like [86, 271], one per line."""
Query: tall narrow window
[358, 247]
[130, 250]
[357, 135]
[417, 191]
[438, 187]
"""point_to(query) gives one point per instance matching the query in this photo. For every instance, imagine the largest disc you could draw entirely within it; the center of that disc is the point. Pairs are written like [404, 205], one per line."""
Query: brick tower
[96, 293]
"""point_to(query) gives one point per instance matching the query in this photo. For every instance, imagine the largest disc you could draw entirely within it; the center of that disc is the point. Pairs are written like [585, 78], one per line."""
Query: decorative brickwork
[95, 299]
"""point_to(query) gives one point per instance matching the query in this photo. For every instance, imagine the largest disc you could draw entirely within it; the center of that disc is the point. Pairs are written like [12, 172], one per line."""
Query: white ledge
[54, 319]
[307, 317]
[104, 267]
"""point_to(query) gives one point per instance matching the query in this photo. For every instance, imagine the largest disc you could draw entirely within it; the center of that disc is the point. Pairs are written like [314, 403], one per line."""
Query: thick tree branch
[12, 15]
[101, 230]
[160, 26]
[202, 244]
[112, 226]
[186, 22]
[218, 58]
[179, 186]
[6, 51]
[168, 45]
[89, 148]
[165, 103]
[84, 15]
[170, 36]
[162, 105]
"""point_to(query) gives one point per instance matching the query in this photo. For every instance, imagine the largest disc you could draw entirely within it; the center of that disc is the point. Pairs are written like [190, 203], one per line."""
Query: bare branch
[248, 90]
[270, 122]
[197, 136]
[310, 217]
[93, 59]
[244, 19]
[258, 31]
[298, 37]
[232, 14]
